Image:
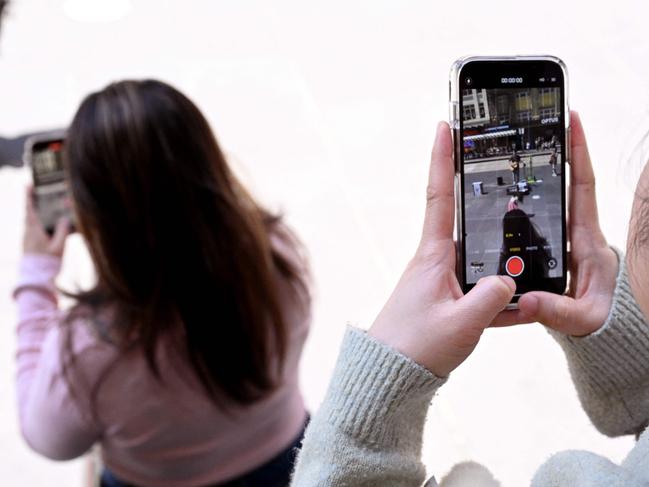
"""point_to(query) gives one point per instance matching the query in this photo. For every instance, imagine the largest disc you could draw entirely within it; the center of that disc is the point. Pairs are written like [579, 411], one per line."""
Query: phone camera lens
[468, 81]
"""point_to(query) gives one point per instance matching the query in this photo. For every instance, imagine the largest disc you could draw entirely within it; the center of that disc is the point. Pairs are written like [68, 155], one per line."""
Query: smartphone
[511, 133]
[44, 153]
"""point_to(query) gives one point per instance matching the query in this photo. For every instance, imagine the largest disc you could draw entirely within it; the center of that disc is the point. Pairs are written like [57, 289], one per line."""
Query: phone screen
[512, 152]
[50, 188]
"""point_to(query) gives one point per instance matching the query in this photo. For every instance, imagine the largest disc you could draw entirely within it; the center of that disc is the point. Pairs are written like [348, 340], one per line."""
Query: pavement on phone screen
[484, 213]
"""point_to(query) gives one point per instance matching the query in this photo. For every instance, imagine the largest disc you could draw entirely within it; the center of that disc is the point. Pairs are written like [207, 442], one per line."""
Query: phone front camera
[468, 81]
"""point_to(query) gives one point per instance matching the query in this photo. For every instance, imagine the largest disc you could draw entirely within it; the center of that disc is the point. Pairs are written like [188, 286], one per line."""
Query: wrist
[618, 350]
[40, 261]
[612, 260]
[418, 351]
[38, 271]
[377, 392]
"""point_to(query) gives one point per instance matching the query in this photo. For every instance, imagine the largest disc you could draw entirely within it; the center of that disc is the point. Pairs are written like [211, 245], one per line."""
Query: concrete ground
[329, 110]
[484, 213]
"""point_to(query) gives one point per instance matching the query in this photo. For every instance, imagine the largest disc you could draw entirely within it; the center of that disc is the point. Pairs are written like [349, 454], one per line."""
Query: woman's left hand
[36, 240]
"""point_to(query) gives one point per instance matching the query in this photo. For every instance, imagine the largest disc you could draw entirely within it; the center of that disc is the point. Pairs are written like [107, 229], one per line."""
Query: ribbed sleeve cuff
[38, 271]
[378, 395]
[616, 355]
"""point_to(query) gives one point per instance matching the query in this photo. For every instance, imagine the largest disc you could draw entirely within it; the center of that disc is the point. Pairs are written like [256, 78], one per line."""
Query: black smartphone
[44, 153]
[511, 126]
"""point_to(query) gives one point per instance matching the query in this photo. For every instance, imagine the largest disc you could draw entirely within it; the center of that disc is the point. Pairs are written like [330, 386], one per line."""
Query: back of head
[175, 239]
[519, 232]
[523, 232]
[516, 222]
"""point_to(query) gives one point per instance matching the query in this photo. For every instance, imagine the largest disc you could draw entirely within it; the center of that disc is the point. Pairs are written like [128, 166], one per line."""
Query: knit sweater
[368, 431]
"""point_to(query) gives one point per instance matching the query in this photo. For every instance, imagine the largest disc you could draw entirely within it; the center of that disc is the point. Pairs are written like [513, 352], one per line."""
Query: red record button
[515, 266]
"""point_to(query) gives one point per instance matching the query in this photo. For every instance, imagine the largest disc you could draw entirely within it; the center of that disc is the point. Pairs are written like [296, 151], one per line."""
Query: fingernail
[440, 127]
[509, 281]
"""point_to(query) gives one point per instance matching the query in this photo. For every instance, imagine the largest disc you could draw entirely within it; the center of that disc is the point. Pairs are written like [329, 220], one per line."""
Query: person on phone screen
[181, 361]
[368, 431]
[515, 166]
[519, 232]
[553, 162]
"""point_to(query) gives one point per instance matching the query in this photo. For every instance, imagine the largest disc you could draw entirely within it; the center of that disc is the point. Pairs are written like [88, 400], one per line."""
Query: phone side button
[455, 114]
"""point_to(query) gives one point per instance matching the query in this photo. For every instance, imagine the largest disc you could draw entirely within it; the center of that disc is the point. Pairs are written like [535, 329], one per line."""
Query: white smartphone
[511, 127]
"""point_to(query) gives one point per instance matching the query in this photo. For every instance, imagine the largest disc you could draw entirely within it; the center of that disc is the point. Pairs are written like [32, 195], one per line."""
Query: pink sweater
[151, 434]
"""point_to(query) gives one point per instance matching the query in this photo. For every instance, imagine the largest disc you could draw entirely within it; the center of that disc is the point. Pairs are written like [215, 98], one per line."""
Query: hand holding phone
[427, 317]
[35, 239]
[509, 117]
[594, 266]
[44, 153]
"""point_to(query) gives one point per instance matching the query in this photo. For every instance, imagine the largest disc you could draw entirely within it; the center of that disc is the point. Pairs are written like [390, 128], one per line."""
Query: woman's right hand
[35, 240]
[427, 317]
[593, 265]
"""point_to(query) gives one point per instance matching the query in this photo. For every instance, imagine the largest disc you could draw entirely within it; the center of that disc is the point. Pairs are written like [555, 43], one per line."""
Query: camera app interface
[513, 163]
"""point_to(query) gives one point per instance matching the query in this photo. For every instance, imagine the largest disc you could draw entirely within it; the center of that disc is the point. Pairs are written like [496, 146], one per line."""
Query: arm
[51, 420]
[610, 367]
[368, 431]
[597, 322]
[38, 311]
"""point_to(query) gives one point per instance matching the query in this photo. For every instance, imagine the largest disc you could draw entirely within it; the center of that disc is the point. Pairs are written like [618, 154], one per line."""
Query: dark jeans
[274, 473]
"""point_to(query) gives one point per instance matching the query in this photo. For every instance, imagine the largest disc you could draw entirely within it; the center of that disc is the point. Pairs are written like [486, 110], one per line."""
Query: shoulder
[295, 290]
[78, 353]
[636, 460]
[285, 243]
[581, 468]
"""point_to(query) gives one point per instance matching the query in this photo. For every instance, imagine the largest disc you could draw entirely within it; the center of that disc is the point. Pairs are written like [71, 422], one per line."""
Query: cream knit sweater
[368, 431]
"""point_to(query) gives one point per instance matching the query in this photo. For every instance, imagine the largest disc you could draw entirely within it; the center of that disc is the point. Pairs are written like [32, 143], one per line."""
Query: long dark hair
[177, 242]
[519, 232]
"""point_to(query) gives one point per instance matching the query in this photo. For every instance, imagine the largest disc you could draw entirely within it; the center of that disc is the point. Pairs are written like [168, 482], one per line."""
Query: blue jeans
[274, 473]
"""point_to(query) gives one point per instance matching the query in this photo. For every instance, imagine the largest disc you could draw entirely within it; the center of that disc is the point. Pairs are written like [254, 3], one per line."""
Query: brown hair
[176, 240]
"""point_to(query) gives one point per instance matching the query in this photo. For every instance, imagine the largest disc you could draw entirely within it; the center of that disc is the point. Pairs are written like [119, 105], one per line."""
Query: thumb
[561, 313]
[61, 232]
[488, 298]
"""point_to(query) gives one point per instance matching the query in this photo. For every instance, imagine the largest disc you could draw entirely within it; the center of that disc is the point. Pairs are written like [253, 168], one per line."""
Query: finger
[34, 230]
[61, 232]
[510, 318]
[561, 313]
[486, 300]
[438, 220]
[583, 202]
[30, 212]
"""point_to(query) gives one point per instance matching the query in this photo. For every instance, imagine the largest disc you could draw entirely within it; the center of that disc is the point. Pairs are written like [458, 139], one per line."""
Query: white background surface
[329, 109]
